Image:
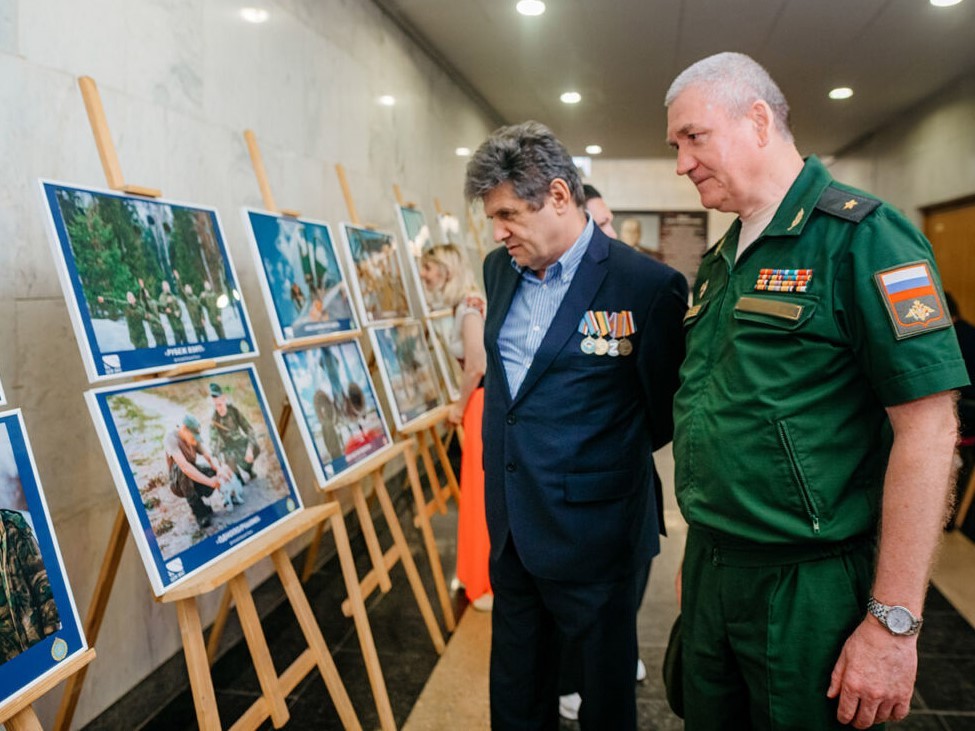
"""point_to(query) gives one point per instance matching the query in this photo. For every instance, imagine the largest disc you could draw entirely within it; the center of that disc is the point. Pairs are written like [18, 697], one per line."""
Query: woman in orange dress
[449, 281]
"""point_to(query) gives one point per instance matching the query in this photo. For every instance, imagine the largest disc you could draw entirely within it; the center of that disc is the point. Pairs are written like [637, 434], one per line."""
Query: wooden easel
[20, 715]
[229, 570]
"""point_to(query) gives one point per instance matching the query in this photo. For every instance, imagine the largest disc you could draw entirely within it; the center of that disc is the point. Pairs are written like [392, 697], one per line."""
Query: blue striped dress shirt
[533, 308]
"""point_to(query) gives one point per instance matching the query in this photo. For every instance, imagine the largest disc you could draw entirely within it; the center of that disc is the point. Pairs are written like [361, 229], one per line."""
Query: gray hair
[529, 157]
[735, 81]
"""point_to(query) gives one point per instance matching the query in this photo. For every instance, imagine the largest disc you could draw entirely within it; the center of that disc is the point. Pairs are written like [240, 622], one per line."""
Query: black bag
[673, 669]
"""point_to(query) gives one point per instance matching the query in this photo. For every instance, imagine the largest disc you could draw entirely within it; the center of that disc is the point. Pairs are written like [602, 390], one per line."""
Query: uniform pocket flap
[590, 487]
[694, 313]
[773, 311]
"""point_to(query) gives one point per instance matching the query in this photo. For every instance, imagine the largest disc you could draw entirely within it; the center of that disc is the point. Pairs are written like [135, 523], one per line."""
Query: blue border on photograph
[156, 358]
[265, 228]
[35, 661]
[212, 547]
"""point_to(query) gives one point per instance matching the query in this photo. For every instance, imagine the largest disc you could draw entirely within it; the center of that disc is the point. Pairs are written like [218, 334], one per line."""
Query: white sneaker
[484, 603]
[641, 671]
[569, 706]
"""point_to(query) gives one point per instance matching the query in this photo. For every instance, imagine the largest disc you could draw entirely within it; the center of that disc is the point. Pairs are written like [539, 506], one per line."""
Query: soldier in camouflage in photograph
[28, 613]
[232, 438]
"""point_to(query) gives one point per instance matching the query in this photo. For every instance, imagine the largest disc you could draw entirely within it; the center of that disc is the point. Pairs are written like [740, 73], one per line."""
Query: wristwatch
[897, 619]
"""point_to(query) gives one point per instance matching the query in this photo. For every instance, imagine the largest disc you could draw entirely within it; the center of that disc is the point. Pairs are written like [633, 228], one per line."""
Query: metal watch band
[883, 613]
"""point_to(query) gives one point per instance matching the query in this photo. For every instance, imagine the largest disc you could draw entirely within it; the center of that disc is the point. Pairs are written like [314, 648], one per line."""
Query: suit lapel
[586, 282]
[497, 311]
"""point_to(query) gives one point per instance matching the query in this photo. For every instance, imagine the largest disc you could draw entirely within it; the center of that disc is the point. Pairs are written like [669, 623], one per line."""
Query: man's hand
[874, 677]
[249, 454]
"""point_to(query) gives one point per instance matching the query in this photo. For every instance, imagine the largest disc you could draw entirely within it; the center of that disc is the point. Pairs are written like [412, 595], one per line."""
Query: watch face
[899, 620]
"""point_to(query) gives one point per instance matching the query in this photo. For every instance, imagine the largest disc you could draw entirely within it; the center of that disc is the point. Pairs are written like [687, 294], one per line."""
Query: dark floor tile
[959, 723]
[921, 722]
[181, 713]
[946, 632]
[947, 686]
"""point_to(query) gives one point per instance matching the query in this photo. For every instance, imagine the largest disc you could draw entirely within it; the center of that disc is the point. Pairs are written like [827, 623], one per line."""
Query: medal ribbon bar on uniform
[783, 280]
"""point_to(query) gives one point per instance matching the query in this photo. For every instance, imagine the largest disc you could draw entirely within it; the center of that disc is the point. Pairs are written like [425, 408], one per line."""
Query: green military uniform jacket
[793, 353]
[231, 434]
[28, 613]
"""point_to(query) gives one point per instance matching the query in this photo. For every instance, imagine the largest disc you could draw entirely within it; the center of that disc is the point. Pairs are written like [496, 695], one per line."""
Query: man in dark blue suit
[584, 340]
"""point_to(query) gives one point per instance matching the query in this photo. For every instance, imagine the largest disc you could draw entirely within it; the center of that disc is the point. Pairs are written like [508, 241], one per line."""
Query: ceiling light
[944, 3]
[571, 97]
[593, 149]
[386, 100]
[841, 92]
[254, 15]
[530, 7]
[463, 152]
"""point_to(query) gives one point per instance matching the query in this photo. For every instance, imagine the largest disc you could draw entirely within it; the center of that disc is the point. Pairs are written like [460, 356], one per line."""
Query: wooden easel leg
[966, 501]
[312, 553]
[219, 624]
[361, 619]
[426, 530]
[421, 439]
[96, 613]
[372, 540]
[313, 635]
[257, 644]
[445, 461]
[26, 720]
[204, 697]
[407, 558]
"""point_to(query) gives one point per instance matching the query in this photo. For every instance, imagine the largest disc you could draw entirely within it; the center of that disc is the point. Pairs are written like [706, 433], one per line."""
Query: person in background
[446, 276]
[814, 426]
[583, 341]
[597, 208]
[965, 332]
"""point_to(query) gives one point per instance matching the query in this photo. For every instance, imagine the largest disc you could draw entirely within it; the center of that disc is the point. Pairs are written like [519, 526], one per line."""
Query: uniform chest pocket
[775, 312]
[693, 314]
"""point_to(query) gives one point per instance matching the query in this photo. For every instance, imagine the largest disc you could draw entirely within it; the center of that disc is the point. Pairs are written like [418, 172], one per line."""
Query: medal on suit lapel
[588, 327]
[614, 344]
[602, 347]
[625, 327]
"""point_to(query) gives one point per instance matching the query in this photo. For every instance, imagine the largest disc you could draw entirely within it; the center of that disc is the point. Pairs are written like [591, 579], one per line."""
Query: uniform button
[511, 419]
[510, 467]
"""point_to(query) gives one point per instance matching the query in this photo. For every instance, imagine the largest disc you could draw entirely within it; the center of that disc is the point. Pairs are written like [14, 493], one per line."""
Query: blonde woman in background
[448, 279]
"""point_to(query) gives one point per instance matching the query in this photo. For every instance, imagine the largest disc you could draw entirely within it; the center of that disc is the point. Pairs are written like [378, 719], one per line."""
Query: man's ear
[561, 195]
[760, 115]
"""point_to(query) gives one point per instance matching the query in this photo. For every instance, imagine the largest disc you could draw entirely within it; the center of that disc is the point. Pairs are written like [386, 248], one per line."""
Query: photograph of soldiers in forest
[408, 372]
[304, 285]
[340, 418]
[38, 623]
[150, 283]
[377, 276]
[200, 460]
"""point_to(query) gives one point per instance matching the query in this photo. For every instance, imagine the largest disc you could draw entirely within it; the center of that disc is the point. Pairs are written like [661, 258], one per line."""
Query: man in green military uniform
[133, 312]
[187, 478]
[816, 395]
[151, 309]
[28, 613]
[208, 298]
[232, 438]
[195, 310]
[174, 312]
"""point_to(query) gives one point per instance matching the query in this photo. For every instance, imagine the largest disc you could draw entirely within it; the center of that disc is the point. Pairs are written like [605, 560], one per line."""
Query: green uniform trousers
[763, 627]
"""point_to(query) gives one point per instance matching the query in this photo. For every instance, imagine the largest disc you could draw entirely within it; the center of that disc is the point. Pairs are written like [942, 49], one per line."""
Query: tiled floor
[944, 699]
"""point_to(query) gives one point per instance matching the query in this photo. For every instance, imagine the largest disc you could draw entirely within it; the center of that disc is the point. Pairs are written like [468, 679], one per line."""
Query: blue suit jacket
[567, 461]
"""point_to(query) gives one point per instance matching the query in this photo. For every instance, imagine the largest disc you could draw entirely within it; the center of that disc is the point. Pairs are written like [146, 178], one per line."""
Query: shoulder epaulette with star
[843, 204]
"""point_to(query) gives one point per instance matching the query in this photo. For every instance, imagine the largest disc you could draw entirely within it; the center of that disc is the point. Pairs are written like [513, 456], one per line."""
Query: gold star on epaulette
[797, 219]
[850, 204]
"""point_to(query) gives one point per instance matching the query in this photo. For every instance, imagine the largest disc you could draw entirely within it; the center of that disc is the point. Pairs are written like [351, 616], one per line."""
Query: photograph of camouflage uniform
[232, 437]
[28, 613]
[184, 442]
[174, 312]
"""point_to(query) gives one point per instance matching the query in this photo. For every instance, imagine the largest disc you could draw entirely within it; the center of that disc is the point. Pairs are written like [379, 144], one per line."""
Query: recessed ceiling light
[463, 152]
[593, 149]
[254, 15]
[841, 92]
[944, 3]
[530, 7]
[386, 100]
[571, 97]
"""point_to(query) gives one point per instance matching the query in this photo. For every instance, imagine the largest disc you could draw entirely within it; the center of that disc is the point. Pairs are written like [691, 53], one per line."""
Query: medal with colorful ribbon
[625, 328]
[602, 321]
[588, 327]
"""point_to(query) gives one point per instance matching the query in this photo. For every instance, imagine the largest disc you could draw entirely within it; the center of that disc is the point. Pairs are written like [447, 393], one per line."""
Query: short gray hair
[736, 81]
[529, 157]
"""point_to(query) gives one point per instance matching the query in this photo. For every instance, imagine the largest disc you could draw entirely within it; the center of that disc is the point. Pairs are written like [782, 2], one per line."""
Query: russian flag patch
[912, 299]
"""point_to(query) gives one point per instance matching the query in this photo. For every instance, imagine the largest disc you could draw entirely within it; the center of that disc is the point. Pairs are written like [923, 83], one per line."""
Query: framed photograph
[149, 283]
[39, 625]
[450, 229]
[336, 407]
[441, 331]
[304, 284]
[379, 286]
[198, 466]
[416, 234]
[407, 370]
